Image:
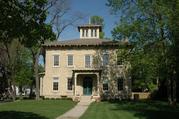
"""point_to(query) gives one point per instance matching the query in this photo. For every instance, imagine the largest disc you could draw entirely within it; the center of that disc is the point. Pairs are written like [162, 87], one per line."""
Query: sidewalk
[77, 111]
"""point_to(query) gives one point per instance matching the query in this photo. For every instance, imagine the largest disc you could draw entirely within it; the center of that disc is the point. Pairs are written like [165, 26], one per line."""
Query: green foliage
[147, 25]
[23, 76]
[97, 20]
[23, 21]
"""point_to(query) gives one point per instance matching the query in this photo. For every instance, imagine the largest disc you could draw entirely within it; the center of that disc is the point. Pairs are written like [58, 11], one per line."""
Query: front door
[87, 86]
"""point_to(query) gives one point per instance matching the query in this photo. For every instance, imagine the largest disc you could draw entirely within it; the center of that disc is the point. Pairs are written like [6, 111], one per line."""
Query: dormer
[89, 31]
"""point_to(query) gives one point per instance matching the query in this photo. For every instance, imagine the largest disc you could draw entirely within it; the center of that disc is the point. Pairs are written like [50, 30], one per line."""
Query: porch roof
[86, 70]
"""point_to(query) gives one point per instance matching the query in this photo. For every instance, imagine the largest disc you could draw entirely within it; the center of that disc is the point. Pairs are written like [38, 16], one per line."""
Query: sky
[90, 8]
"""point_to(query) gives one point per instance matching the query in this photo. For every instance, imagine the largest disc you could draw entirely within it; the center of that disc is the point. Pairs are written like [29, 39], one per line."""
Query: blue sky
[90, 8]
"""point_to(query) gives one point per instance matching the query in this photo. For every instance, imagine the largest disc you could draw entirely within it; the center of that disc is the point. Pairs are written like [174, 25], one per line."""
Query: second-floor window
[105, 59]
[70, 60]
[119, 59]
[87, 61]
[120, 84]
[56, 59]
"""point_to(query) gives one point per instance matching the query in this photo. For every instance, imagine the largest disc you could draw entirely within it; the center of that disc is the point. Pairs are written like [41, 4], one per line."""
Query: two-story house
[84, 67]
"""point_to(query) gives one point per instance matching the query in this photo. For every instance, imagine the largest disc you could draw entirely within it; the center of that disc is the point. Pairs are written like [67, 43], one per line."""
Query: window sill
[53, 91]
[70, 66]
[56, 66]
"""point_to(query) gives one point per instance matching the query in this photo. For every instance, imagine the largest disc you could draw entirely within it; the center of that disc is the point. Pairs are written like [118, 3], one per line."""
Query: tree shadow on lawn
[147, 109]
[19, 115]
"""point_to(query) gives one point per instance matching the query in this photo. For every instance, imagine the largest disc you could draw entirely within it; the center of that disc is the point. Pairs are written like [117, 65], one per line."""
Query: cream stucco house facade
[84, 67]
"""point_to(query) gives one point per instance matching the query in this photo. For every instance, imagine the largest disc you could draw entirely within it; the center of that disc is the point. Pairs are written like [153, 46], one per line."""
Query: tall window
[87, 61]
[56, 60]
[119, 60]
[55, 83]
[86, 32]
[70, 60]
[120, 84]
[69, 84]
[105, 86]
[91, 32]
[83, 32]
[105, 59]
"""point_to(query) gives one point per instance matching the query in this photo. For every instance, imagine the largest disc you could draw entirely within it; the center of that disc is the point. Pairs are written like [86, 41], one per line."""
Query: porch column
[98, 85]
[75, 83]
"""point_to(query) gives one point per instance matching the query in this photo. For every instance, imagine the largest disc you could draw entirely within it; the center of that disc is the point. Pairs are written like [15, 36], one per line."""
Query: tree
[60, 16]
[147, 24]
[23, 75]
[24, 21]
[97, 20]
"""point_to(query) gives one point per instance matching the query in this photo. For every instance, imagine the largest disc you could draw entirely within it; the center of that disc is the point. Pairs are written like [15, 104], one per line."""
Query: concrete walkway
[77, 111]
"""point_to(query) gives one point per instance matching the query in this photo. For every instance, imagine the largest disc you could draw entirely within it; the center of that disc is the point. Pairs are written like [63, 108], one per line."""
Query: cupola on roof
[89, 31]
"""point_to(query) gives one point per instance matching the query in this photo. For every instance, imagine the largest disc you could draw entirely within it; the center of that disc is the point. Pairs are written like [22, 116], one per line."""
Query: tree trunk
[20, 91]
[31, 90]
[37, 75]
[35, 57]
[174, 90]
[169, 92]
[12, 85]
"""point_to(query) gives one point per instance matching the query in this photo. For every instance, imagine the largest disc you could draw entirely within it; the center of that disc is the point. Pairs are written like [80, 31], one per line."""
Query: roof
[84, 42]
[90, 26]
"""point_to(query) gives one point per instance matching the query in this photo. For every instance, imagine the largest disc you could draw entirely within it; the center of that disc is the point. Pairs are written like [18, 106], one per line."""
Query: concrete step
[85, 98]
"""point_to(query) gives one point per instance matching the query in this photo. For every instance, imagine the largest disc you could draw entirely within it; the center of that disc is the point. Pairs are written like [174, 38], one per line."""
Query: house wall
[63, 72]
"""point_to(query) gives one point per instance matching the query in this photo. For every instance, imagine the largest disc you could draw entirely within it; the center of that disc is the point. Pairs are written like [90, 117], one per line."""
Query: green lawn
[131, 110]
[31, 109]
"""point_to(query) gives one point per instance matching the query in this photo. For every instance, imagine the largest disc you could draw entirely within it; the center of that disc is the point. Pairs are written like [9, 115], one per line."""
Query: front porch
[86, 84]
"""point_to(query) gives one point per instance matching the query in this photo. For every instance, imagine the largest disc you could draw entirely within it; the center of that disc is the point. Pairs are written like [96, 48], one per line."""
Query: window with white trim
[105, 59]
[55, 83]
[70, 60]
[56, 59]
[87, 61]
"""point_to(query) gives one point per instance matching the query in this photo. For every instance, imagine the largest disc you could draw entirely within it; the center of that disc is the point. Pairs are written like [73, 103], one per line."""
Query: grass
[31, 109]
[131, 110]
